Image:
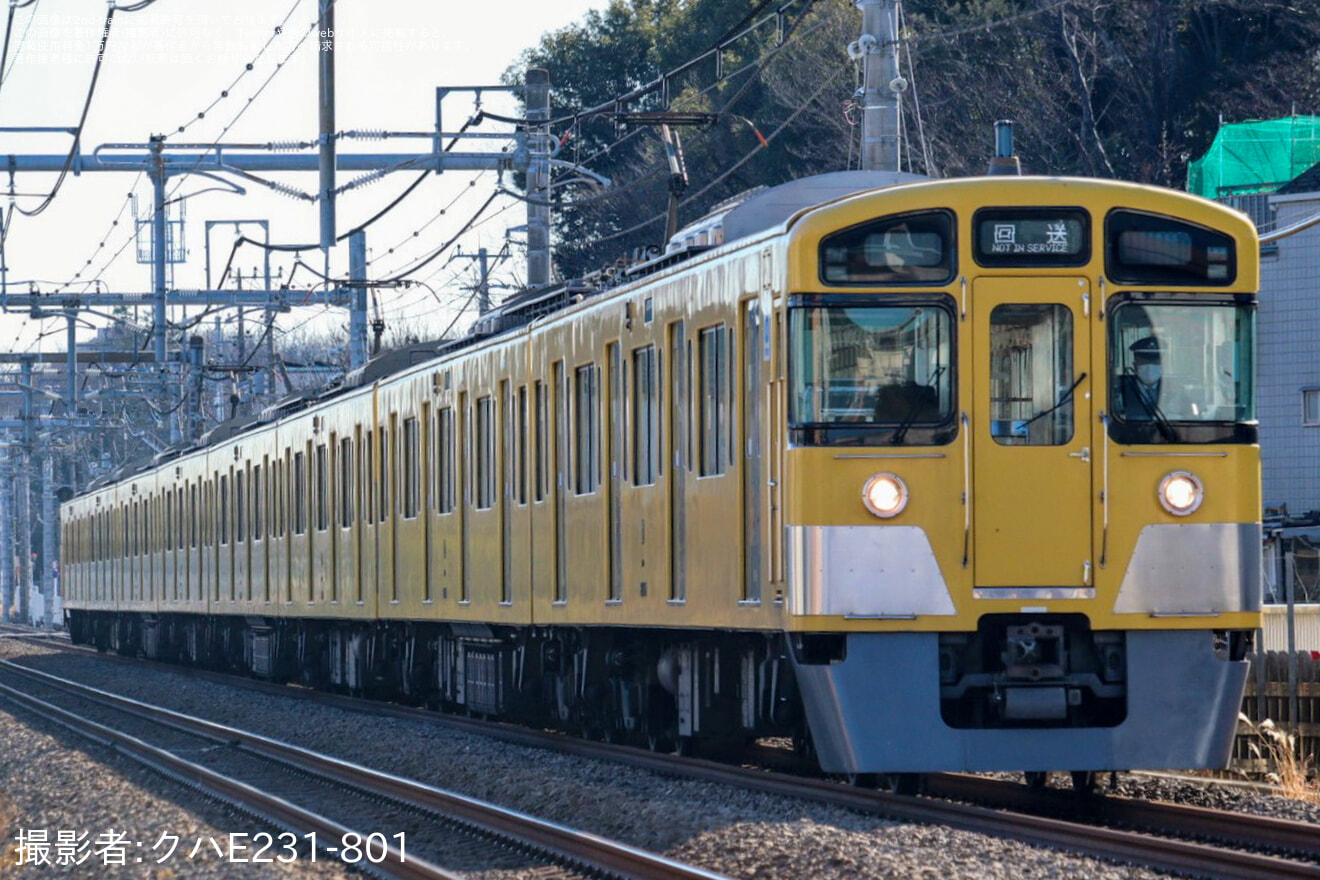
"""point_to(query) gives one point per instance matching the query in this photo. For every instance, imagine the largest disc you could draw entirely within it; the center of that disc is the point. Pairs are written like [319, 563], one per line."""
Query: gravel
[732, 831]
[54, 781]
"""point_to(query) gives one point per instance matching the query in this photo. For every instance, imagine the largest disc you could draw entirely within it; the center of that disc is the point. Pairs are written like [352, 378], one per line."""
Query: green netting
[1249, 157]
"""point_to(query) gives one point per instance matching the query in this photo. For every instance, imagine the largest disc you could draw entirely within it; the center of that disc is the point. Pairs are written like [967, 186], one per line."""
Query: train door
[751, 449]
[1032, 425]
[614, 473]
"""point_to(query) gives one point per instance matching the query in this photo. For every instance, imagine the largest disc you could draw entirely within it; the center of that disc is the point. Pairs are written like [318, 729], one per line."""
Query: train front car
[1022, 488]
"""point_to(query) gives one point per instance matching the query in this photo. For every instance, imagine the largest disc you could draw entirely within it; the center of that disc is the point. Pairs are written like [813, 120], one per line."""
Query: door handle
[1084, 455]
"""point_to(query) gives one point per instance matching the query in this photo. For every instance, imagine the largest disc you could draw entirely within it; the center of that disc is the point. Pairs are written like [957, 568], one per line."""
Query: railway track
[1192, 840]
[291, 787]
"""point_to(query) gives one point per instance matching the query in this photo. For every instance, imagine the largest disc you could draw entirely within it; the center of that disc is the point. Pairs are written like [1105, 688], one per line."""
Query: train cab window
[1181, 369]
[1152, 249]
[1031, 375]
[192, 516]
[901, 249]
[871, 371]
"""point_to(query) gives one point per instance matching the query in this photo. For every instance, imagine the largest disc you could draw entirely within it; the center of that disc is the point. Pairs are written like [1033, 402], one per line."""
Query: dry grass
[1292, 773]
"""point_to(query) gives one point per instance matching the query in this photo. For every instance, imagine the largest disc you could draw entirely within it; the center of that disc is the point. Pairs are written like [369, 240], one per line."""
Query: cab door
[1031, 427]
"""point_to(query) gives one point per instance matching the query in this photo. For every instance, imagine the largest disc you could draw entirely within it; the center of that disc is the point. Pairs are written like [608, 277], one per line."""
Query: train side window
[259, 494]
[542, 446]
[383, 482]
[484, 453]
[584, 429]
[646, 417]
[521, 439]
[713, 415]
[411, 468]
[299, 493]
[346, 483]
[1031, 374]
[224, 509]
[240, 500]
[322, 490]
[448, 481]
[368, 464]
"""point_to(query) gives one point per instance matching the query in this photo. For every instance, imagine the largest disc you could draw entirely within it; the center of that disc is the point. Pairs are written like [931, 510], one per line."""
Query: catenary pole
[49, 538]
[6, 535]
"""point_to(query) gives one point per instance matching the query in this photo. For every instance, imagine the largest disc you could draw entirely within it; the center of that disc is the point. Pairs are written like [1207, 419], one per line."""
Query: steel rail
[560, 842]
[240, 795]
[1235, 829]
[1242, 829]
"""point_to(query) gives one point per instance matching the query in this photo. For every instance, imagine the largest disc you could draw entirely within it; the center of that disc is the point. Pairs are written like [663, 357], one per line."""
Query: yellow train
[930, 475]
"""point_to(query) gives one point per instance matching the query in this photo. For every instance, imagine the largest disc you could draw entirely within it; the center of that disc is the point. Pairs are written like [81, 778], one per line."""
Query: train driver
[1149, 395]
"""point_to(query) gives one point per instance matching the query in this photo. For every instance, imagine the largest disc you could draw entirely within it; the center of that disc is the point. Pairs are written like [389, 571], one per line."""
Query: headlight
[885, 495]
[1181, 493]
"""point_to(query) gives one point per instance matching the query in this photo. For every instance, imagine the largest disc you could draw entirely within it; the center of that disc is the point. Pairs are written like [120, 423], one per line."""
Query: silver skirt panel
[878, 710]
[864, 571]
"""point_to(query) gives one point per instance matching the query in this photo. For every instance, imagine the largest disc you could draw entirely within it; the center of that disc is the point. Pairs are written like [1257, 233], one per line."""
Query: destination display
[1030, 238]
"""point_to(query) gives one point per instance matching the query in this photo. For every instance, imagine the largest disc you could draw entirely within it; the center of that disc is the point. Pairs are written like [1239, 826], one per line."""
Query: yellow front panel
[1031, 494]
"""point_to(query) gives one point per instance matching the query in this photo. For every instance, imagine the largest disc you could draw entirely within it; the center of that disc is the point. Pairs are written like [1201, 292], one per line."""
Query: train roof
[740, 217]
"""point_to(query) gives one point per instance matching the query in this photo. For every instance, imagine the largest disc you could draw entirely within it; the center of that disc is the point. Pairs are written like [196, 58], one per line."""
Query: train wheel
[908, 784]
[659, 743]
[863, 780]
[1084, 782]
[687, 746]
[1037, 779]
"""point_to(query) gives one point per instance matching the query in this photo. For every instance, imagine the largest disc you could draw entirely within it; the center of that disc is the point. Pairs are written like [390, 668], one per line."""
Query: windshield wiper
[914, 407]
[1064, 398]
[1157, 416]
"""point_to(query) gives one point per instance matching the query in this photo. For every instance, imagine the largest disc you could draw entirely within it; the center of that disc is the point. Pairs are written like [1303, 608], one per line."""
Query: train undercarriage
[664, 689]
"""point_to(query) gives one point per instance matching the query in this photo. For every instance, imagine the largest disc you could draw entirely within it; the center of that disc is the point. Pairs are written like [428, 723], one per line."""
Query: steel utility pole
[882, 84]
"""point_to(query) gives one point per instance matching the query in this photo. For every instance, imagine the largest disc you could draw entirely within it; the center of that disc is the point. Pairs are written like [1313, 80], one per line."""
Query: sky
[171, 61]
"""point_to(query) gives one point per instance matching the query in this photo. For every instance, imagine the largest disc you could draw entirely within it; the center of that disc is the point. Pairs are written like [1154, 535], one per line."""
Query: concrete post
[6, 535]
[326, 76]
[881, 83]
[538, 178]
[50, 527]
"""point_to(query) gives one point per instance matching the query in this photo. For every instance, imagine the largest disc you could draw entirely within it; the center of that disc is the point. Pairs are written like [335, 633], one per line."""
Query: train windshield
[882, 373]
[1178, 368]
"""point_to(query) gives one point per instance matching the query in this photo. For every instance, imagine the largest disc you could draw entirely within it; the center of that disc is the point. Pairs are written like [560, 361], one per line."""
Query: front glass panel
[902, 249]
[1031, 375]
[866, 373]
[1182, 371]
